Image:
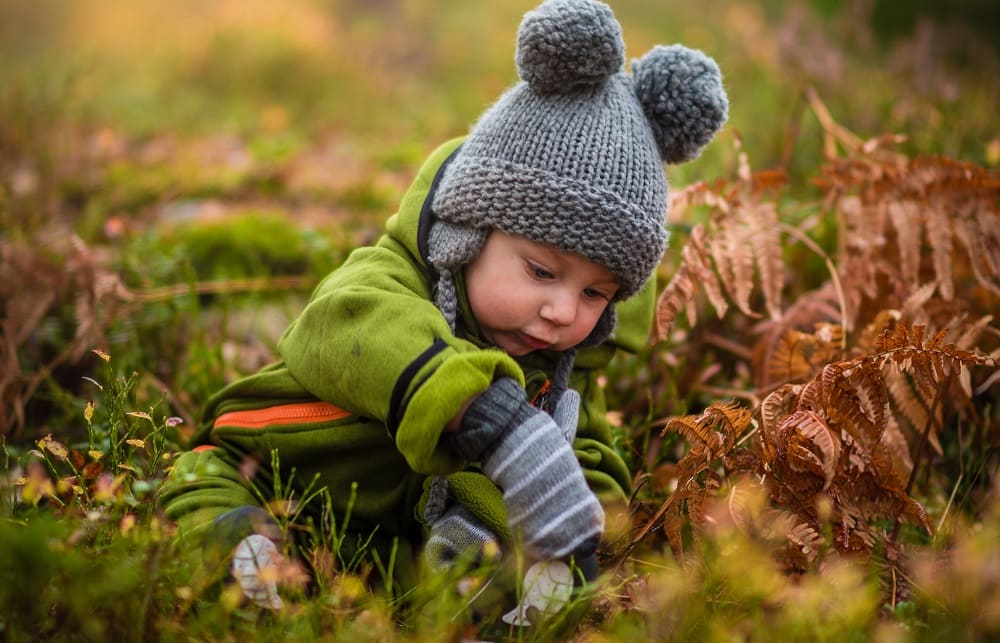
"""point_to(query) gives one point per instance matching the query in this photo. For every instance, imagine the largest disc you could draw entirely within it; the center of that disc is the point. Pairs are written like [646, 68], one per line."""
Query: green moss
[247, 245]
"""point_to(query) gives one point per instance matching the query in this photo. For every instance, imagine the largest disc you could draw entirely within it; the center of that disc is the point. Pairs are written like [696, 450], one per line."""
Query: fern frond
[813, 445]
[914, 409]
[717, 427]
[814, 308]
[985, 266]
[693, 272]
[857, 404]
[914, 308]
[694, 428]
[731, 419]
[766, 237]
[806, 540]
[797, 355]
[775, 408]
[939, 237]
[894, 442]
[970, 335]
[907, 222]
[732, 252]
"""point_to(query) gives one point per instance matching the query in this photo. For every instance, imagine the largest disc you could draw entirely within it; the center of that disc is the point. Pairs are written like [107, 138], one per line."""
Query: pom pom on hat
[681, 92]
[564, 45]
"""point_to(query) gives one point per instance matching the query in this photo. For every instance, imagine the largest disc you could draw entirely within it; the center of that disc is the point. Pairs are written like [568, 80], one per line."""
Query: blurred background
[383, 81]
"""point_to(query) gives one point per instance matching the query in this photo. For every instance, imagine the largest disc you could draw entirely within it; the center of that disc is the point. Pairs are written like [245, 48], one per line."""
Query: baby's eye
[540, 272]
[592, 293]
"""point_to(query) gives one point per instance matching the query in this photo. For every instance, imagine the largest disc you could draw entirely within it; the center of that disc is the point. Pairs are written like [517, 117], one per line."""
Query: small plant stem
[729, 345]
[225, 287]
[925, 436]
[921, 447]
[833, 131]
[793, 128]
[947, 507]
[834, 277]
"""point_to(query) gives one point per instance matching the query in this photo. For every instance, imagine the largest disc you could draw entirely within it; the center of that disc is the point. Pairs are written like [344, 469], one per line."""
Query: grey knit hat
[572, 155]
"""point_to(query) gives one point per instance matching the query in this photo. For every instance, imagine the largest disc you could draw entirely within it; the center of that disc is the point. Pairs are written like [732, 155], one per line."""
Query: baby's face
[530, 296]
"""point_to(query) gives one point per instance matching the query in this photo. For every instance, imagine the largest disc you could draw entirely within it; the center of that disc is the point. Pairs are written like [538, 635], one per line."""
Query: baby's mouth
[533, 342]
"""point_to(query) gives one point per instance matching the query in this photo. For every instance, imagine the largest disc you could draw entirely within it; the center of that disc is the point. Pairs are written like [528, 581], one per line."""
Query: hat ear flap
[602, 329]
[681, 93]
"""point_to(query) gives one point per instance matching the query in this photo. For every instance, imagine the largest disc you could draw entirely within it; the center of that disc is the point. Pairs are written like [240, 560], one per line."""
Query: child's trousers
[202, 487]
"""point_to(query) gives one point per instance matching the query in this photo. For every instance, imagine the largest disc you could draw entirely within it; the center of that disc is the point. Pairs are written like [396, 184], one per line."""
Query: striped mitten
[459, 536]
[524, 452]
[256, 553]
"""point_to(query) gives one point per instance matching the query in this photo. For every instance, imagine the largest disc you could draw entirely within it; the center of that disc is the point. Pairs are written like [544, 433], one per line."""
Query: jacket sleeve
[372, 341]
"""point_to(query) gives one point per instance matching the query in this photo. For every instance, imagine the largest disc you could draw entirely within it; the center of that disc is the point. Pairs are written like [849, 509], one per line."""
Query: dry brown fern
[828, 450]
[745, 237]
[32, 284]
[901, 219]
[712, 434]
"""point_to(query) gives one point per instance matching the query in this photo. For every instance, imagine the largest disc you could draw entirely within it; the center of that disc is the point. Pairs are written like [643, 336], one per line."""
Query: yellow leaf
[88, 411]
[139, 444]
[128, 467]
[128, 522]
[140, 414]
[101, 354]
[78, 490]
[96, 455]
[53, 446]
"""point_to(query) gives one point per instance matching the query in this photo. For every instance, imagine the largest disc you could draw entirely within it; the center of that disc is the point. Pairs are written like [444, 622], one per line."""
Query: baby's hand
[526, 454]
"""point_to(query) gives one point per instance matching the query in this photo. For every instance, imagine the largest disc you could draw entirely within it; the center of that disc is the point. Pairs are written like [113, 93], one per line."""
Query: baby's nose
[560, 309]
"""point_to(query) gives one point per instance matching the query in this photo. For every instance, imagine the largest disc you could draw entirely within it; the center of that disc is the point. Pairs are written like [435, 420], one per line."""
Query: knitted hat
[573, 154]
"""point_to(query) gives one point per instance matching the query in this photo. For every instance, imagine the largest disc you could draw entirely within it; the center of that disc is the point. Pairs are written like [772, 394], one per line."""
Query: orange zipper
[282, 414]
[542, 395]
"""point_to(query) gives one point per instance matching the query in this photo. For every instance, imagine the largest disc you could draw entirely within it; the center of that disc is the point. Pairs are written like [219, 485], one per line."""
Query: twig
[834, 277]
[833, 130]
[921, 447]
[947, 507]
[225, 286]
[792, 130]
[726, 344]
[648, 563]
[924, 437]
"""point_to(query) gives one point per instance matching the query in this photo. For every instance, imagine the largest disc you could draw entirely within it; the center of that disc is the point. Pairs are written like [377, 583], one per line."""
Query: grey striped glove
[524, 452]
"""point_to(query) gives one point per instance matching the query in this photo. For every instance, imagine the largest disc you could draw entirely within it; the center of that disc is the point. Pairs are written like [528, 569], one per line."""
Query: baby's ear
[681, 92]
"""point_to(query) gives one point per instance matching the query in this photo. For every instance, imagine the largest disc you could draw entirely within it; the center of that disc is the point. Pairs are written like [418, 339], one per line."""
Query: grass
[172, 187]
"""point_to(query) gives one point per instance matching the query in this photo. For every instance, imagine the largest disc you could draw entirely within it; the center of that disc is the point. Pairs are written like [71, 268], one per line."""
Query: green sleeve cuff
[604, 470]
[454, 378]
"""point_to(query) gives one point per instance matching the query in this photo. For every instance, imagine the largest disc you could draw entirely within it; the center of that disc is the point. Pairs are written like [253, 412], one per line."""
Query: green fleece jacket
[372, 342]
